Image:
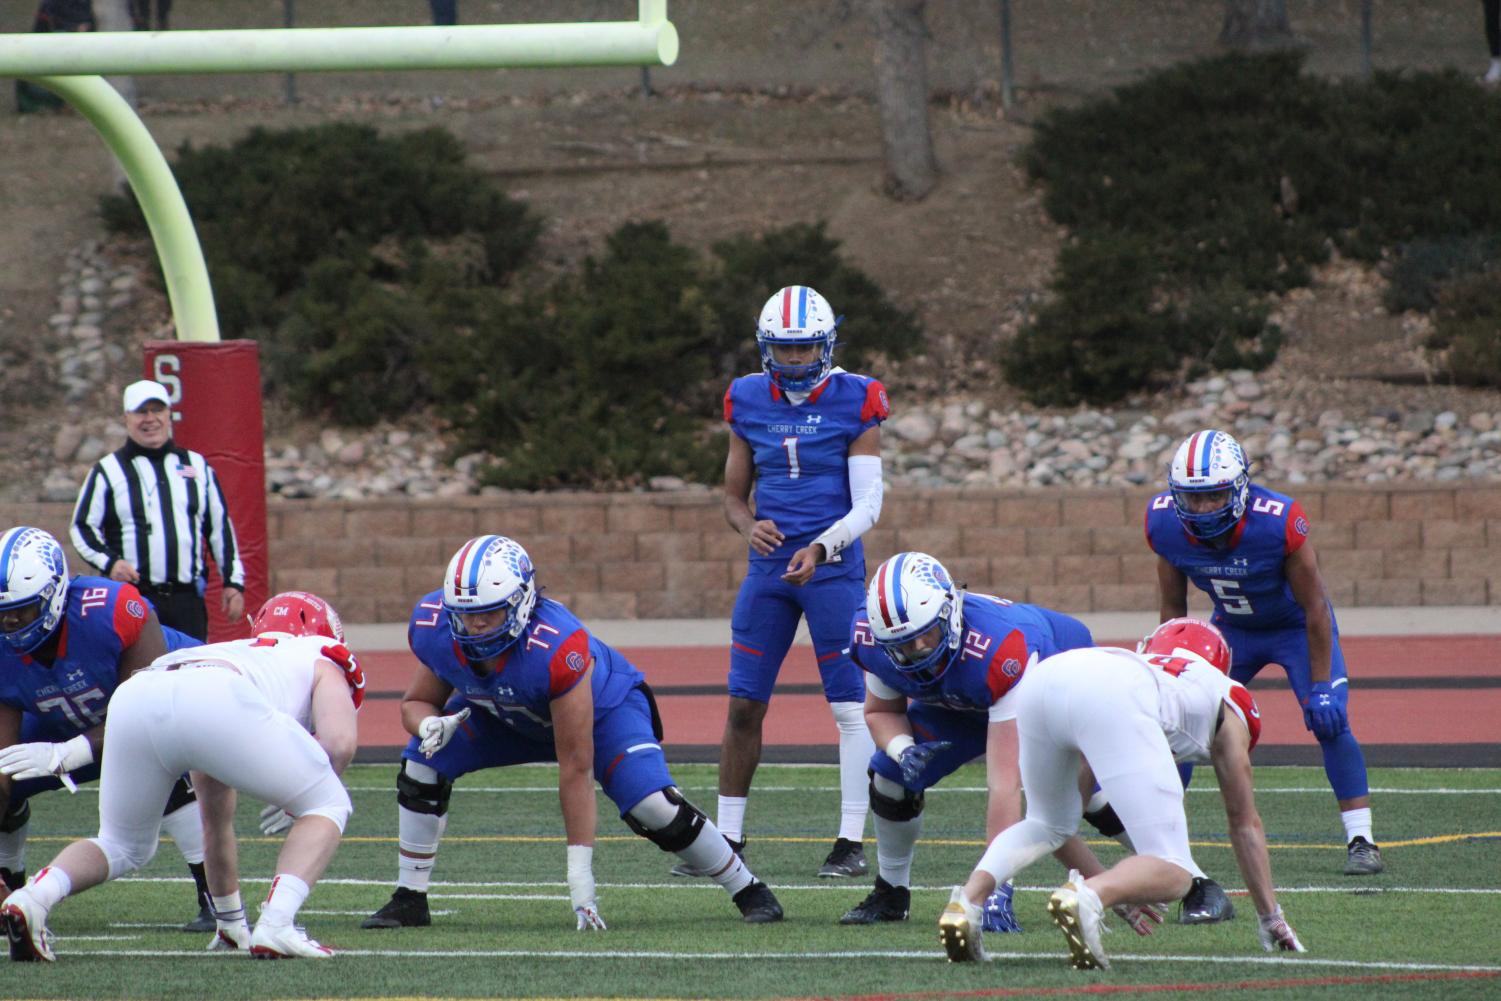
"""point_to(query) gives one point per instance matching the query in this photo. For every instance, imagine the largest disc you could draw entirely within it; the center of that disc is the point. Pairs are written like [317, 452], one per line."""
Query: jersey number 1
[790, 444]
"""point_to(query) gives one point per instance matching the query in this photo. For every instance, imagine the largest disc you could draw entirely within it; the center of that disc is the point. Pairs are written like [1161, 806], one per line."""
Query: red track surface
[1409, 716]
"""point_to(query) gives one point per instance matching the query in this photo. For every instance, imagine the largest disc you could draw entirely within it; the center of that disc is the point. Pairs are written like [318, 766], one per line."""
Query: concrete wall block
[985, 540]
[439, 522]
[706, 516]
[1446, 592]
[1083, 512]
[1029, 512]
[1421, 505]
[700, 575]
[1093, 570]
[1117, 540]
[369, 521]
[1450, 534]
[1353, 564]
[545, 549]
[1126, 598]
[1013, 574]
[1356, 504]
[420, 550]
[1071, 598]
[320, 521]
[322, 581]
[636, 575]
[574, 518]
[576, 577]
[962, 510]
[1388, 535]
[589, 605]
[1472, 564]
[1401, 593]
[937, 540]
[354, 551]
[637, 516]
[670, 604]
[723, 544]
[669, 547]
[1057, 542]
[604, 547]
[1477, 502]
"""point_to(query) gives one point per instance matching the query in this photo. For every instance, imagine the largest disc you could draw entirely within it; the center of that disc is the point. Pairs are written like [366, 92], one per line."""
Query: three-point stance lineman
[545, 690]
[237, 715]
[1128, 717]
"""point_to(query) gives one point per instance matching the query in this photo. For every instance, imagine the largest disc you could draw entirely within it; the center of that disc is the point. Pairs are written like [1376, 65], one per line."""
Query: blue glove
[914, 760]
[997, 915]
[1324, 712]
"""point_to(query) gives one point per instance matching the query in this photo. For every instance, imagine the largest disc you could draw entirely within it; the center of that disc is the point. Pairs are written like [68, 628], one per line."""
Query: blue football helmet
[916, 615]
[1209, 462]
[489, 573]
[797, 315]
[33, 571]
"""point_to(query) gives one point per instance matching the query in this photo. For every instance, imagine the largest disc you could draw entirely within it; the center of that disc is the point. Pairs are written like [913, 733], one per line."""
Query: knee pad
[680, 831]
[17, 816]
[125, 857]
[430, 797]
[182, 794]
[906, 806]
[1105, 821]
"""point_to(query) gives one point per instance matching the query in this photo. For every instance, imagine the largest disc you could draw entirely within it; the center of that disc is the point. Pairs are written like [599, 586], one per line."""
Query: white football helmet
[1209, 461]
[489, 573]
[797, 315]
[33, 571]
[916, 615]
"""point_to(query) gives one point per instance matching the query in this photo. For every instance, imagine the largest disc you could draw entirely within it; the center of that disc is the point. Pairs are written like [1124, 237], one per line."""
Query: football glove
[1324, 712]
[1141, 917]
[581, 888]
[231, 935]
[914, 760]
[588, 918]
[353, 673]
[1277, 935]
[437, 731]
[274, 820]
[42, 760]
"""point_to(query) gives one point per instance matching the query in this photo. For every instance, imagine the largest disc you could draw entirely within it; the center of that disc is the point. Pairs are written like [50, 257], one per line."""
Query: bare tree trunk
[1256, 25]
[902, 91]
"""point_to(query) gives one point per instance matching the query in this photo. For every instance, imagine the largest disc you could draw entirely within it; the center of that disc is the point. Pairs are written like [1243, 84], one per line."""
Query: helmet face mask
[797, 316]
[298, 613]
[1189, 637]
[489, 592]
[916, 615]
[1210, 481]
[33, 587]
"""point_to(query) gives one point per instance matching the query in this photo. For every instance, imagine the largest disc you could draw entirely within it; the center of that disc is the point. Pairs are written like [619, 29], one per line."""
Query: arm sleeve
[568, 664]
[87, 530]
[221, 532]
[1295, 531]
[865, 506]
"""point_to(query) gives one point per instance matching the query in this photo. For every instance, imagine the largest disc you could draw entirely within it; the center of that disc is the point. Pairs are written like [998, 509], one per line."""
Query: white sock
[855, 750]
[286, 896]
[419, 834]
[709, 854]
[732, 817]
[49, 886]
[1357, 824]
[184, 826]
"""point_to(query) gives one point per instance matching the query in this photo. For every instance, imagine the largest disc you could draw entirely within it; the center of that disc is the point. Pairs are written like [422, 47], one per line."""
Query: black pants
[1493, 26]
[183, 610]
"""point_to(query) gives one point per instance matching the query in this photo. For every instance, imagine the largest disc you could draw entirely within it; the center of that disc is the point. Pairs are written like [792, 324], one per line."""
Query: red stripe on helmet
[458, 570]
[787, 307]
[881, 593]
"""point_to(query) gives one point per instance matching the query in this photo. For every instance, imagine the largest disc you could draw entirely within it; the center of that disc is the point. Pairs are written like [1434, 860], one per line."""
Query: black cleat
[758, 905]
[204, 923]
[1362, 858]
[1205, 903]
[884, 903]
[684, 869]
[405, 909]
[847, 859]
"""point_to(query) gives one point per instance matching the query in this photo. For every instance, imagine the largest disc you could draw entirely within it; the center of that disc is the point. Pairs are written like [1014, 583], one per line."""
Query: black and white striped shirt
[155, 507]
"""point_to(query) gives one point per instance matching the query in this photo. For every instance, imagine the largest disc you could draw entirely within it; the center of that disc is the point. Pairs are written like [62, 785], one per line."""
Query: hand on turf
[588, 917]
[1324, 712]
[232, 935]
[1141, 917]
[1277, 935]
[274, 820]
[437, 731]
[914, 760]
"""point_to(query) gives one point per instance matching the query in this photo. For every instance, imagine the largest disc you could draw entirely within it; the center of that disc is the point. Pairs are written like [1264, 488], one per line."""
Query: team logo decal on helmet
[797, 315]
[489, 573]
[300, 613]
[1209, 462]
[916, 615]
[1189, 637]
[33, 572]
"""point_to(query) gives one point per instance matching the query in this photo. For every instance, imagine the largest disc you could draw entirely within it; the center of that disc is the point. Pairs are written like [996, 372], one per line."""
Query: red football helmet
[300, 613]
[1193, 636]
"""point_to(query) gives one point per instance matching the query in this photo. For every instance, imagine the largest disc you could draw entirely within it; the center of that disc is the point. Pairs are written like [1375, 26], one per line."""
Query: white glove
[437, 731]
[581, 888]
[1277, 935]
[231, 936]
[44, 760]
[274, 820]
[1141, 917]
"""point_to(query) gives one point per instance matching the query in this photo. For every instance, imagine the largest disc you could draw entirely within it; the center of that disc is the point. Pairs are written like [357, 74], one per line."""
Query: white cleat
[26, 929]
[284, 942]
[1078, 913]
[959, 929]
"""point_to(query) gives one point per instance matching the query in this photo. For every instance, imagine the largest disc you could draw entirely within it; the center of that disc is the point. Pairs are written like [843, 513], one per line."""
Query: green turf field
[1430, 927]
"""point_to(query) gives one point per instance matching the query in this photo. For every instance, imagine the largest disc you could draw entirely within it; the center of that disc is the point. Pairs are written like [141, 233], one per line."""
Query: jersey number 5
[1227, 595]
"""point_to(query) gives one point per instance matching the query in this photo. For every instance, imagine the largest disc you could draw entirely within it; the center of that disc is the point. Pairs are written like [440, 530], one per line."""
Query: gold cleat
[959, 930]
[1078, 913]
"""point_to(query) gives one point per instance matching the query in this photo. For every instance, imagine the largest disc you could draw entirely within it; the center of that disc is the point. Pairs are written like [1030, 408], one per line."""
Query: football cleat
[1205, 903]
[230, 936]
[1363, 858]
[997, 915]
[960, 929]
[1078, 913]
[285, 942]
[26, 929]
[405, 909]
[758, 905]
[686, 870]
[884, 903]
[204, 922]
[846, 859]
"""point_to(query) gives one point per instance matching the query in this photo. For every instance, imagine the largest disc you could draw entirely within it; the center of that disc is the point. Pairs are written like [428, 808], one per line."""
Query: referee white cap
[138, 394]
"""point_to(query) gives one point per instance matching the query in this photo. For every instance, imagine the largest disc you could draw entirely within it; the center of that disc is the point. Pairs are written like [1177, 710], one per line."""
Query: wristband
[896, 745]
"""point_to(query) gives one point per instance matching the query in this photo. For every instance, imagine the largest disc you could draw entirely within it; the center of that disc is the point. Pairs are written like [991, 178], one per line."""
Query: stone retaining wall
[673, 556]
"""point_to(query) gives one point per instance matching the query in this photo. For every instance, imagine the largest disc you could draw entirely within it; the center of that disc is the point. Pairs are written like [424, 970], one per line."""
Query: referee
[146, 510]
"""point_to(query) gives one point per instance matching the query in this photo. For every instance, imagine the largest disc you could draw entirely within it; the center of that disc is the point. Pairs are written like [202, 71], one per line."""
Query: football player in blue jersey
[65, 646]
[1247, 548]
[941, 665]
[808, 435]
[508, 677]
